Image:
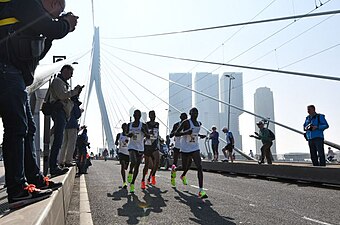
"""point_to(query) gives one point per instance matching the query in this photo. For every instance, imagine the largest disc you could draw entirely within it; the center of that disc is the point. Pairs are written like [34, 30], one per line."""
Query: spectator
[24, 40]
[82, 144]
[214, 142]
[230, 145]
[105, 154]
[251, 153]
[330, 154]
[314, 126]
[267, 137]
[59, 94]
[70, 135]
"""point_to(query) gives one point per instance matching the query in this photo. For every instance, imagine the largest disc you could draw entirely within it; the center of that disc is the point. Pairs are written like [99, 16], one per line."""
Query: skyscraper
[235, 81]
[179, 97]
[264, 106]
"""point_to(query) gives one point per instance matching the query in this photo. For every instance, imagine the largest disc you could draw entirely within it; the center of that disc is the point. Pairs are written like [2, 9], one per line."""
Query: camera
[309, 126]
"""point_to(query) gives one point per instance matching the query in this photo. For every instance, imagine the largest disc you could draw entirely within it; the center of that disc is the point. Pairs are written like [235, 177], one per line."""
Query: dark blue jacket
[75, 115]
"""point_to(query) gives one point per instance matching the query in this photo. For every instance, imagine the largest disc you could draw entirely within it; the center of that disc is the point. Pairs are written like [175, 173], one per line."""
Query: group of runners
[138, 139]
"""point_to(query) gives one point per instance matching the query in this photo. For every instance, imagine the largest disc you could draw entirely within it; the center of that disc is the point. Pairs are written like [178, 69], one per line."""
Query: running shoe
[124, 185]
[132, 188]
[49, 184]
[129, 178]
[30, 194]
[173, 182]
[202, 195]
[153, 180]
[143, 186]
[173, 171]
[184, 180]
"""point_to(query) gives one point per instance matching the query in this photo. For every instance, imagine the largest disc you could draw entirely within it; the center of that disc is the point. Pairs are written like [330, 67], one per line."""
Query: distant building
[264, 106]
[179, 97]
[236, 99]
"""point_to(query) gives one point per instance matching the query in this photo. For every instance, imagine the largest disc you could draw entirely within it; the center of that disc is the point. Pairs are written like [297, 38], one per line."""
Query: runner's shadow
[118, 195]
[134, 209]
[203, 212]
[153, 198]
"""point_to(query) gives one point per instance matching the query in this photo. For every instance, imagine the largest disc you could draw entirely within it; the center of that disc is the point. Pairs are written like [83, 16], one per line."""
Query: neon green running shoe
[132, 188]
[129, 178]
[173, 182]
[184, 180]
[173, 174]
[202, 194]
[124, 185]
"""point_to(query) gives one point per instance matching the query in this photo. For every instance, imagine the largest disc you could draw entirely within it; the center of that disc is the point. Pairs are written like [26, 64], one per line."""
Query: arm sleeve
[32, 13]
[323, 123]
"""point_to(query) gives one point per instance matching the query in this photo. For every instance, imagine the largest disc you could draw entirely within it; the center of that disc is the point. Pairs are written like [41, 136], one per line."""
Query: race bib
[193, 138]
[137, 136]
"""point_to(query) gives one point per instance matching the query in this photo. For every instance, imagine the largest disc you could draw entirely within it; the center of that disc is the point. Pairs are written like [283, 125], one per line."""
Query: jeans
[317, 152]
[32, 171]
[59, 119]
[13, 100]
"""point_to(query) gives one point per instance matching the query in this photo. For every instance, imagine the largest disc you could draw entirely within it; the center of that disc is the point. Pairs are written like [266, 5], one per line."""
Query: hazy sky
[291, 94]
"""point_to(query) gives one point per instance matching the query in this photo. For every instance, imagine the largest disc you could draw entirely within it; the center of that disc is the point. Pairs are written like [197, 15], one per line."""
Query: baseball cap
[260, 123]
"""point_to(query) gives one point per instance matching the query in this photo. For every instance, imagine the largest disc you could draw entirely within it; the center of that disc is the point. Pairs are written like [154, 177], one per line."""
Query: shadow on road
[203, 213]
[136, 210]
[154, 203]
[118, 195]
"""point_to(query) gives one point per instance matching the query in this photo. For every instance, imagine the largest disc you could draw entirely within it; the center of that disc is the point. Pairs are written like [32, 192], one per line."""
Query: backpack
[271, 135]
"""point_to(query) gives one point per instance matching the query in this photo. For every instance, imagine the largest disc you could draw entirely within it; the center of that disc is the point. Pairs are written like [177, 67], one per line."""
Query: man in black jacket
[27, 29]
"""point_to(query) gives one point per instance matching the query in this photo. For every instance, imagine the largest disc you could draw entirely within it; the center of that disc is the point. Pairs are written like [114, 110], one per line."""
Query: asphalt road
[232, 200]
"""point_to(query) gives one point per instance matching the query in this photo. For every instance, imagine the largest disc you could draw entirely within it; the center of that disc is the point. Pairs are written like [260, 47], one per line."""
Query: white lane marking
[84, 208]
[198, 187]
[316, 221]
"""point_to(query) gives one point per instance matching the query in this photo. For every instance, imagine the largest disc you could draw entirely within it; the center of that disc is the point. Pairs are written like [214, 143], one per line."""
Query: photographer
[25, 38]
[59, 94]
[314, 126]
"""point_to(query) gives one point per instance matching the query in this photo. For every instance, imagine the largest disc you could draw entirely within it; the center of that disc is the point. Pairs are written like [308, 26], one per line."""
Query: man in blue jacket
[314, 126]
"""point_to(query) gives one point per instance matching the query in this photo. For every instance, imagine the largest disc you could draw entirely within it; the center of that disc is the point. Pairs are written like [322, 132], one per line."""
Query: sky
[119, 18]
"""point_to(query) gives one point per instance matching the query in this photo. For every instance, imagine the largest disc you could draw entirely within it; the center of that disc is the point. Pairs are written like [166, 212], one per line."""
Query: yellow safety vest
[7, 21]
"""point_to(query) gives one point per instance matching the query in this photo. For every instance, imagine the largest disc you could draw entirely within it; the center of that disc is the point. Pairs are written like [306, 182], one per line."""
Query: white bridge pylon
[95, 79]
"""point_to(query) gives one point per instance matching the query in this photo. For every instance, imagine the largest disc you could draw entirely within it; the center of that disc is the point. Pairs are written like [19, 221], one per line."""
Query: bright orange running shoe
[153, 180]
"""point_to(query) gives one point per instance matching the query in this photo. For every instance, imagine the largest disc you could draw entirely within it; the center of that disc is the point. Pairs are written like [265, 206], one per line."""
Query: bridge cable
[310, 75]
[113, 82]
[227, 40]
[233, 25]
[135, 95]
[267, 38]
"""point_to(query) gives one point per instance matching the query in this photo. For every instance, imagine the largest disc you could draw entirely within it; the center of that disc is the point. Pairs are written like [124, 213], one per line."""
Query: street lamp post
[230, 76]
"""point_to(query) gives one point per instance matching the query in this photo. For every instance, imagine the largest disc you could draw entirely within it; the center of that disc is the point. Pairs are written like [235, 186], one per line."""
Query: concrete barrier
[298, 172]
[51, 211]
